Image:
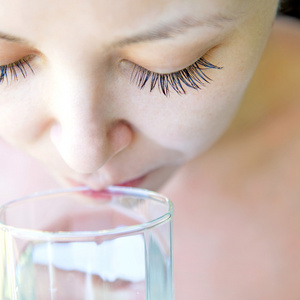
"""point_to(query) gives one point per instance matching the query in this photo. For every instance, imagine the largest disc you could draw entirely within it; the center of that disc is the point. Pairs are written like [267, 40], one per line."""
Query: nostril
[120, 136]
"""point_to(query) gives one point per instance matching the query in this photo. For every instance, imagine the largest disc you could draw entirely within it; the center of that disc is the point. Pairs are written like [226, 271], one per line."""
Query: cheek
[22, 117]
[188, 124]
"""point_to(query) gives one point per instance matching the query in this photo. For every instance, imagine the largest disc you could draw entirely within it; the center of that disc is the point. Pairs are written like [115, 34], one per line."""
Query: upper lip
[101, 184]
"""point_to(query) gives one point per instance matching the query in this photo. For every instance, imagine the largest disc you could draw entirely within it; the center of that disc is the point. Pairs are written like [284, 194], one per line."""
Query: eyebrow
[161, 32]
[174, 28]
[12, 38]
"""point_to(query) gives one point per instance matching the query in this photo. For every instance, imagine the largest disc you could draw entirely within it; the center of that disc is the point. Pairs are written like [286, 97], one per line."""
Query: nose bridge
[80, 129]
[77, 104]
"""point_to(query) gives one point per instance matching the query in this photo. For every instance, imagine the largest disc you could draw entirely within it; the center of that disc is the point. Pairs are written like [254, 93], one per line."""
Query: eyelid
[10, 71]
[193, 76]
[10, 51]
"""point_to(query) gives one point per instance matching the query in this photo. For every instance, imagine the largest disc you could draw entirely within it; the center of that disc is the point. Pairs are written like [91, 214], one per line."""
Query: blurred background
[290, 8]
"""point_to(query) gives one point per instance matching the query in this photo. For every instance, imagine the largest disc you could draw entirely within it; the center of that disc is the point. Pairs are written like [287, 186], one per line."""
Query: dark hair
[290, 8]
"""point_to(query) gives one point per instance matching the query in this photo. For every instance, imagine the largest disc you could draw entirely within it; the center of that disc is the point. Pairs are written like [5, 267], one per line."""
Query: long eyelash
[193, 77]
[10, 72]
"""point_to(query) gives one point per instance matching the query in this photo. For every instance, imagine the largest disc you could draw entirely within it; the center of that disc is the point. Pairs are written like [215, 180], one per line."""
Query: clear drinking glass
[69, 244]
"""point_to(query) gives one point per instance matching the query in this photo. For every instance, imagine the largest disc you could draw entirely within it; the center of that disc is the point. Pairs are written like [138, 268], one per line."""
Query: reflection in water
[127, 268]
[113, 269]
[121, 258]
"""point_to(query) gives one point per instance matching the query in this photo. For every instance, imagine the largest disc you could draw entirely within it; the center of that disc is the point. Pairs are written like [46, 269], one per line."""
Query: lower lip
[103, 194]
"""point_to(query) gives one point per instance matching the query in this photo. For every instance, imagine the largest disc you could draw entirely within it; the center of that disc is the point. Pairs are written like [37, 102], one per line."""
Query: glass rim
[57, 235]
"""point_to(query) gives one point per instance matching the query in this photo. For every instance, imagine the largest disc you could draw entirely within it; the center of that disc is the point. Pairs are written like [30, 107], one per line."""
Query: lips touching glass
[67, 244]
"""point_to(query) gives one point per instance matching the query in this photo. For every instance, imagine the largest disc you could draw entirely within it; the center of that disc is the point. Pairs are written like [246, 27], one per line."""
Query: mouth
[101, 192]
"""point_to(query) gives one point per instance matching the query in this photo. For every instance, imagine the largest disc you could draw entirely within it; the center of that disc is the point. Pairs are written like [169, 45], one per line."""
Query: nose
[86, 149]
[84, 133]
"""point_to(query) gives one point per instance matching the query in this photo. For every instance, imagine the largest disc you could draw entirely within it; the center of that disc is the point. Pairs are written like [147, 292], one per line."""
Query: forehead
[45, 18]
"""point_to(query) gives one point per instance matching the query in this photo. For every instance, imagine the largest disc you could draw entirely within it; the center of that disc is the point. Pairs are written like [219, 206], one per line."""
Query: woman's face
[76, 80]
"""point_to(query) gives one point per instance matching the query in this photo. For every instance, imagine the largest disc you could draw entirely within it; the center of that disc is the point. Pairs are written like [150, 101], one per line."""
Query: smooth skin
[234, 178]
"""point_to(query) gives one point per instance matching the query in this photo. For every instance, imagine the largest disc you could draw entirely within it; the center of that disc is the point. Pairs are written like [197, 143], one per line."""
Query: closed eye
[12, 71]
[191, 77]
